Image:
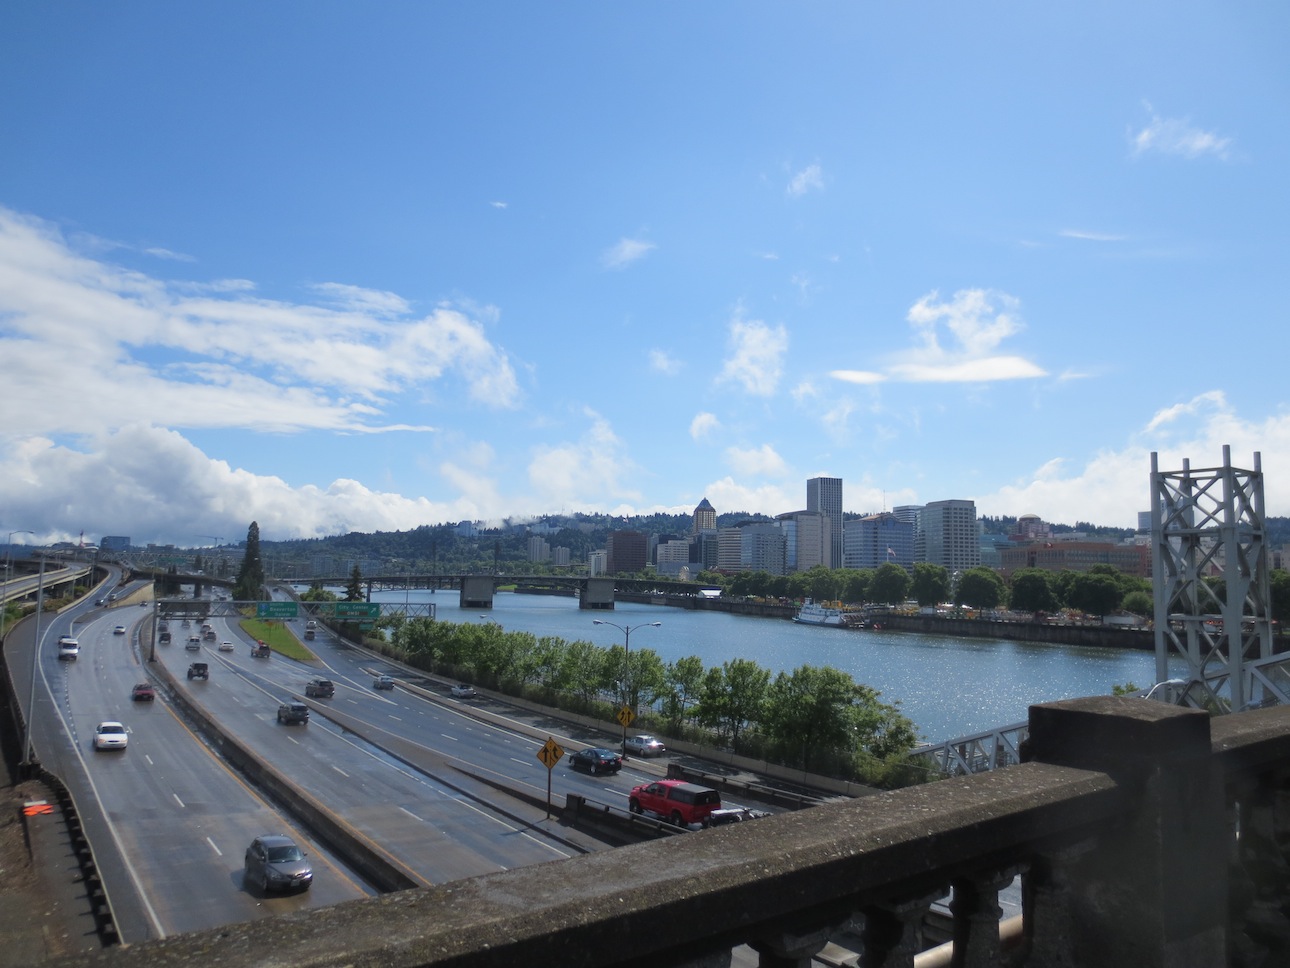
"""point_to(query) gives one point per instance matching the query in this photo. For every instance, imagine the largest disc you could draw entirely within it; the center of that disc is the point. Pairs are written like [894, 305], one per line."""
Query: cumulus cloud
[809, 179]
[760, 461]
[957, 340]
[584, 473]
[756, 358]
[215, 355]
[1176, 136]
[1090, 236]
[704, 424]
[625, 252]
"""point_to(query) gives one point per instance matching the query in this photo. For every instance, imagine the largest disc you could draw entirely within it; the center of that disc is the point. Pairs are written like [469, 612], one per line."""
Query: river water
[948, 686]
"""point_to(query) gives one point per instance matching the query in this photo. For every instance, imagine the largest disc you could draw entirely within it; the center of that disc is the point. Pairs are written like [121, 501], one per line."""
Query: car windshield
[282, 855]
[111, 728]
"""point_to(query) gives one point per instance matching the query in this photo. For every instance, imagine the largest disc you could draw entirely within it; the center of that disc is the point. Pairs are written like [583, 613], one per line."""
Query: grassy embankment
[278, 638]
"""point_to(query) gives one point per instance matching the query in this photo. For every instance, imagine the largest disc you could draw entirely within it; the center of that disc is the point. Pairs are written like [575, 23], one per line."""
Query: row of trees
[816, 718]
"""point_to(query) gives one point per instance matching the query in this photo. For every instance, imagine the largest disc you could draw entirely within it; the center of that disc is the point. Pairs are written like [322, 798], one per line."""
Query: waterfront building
[677, 549]
[539, 548]
[947, 535]
[560, 556]
[824, 496]
[878, 539]
[762, 547]
[729, 549]
[597, 563]
[1080, 556]
[626, 551]
[807, 539]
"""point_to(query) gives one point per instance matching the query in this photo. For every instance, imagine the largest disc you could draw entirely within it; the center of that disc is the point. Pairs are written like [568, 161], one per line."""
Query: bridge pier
[596, 593]
[477, 591]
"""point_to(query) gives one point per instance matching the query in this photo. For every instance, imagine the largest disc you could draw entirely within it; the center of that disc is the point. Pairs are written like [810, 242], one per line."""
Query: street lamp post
[4, 588]
[28, 751]
[627, 668]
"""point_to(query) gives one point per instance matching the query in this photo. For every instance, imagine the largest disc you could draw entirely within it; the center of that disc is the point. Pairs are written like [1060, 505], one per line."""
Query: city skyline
[375, 269]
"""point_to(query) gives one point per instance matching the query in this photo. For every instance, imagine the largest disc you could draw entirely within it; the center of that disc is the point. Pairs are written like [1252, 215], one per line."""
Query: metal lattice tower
[1210, 524]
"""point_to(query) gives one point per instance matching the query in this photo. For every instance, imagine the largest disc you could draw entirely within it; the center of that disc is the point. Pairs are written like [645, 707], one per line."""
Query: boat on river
[813, 613]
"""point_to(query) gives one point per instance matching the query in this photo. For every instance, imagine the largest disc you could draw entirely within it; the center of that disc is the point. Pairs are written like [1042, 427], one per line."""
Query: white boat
[813, 613]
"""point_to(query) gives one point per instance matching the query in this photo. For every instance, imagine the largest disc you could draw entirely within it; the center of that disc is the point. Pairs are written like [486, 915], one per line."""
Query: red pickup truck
[682, 803]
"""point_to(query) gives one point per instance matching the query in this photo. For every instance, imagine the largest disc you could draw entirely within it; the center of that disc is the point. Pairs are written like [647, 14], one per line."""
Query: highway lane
[429, 825]
[177, 819]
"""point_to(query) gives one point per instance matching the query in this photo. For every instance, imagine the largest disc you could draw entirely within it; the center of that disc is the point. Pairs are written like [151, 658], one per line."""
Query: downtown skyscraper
[824, 495]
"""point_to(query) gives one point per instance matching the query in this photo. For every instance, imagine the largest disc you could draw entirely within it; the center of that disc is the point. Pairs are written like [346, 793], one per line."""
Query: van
[68, 647]
[194, 644]
[675, 800]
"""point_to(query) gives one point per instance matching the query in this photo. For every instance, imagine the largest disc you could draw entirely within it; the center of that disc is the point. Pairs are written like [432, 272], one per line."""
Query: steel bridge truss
[1209, 523]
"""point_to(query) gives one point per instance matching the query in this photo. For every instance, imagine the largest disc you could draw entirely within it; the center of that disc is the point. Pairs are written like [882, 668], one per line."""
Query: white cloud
[1176, 136]
[625, 253]
[584, 473]
[863, 377]
[212, 354]
[760, 461]
[810, 178]
[703, 425]
[756, 358]
[727, 494]
[498, 204]
[662, 362]
[1090, 236]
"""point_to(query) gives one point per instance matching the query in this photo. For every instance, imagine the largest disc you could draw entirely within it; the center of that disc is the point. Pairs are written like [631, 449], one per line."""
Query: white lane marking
[412, 815]
[397, 719]
[340, 771]
[214, 848]
[455, 739]
[178, 801]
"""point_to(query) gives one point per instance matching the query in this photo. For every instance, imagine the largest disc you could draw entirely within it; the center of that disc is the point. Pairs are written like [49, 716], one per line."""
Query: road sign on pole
[276, 610]
[549, 755]
[358, 611]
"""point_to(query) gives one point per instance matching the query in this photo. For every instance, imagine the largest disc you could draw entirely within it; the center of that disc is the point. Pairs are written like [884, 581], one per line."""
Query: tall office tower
[878, 539]
[705, 517]
[762, 547]
[729, 548]
[808, 539]
[947, 535]
[824, 494]
[627, 551]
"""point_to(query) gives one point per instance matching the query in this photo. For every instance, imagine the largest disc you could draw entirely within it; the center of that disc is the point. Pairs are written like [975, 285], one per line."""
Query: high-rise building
[877, 539]
[729, 547]
[626, 551]
[947, 535]
[705, 517]
[824, 495]
[761, 547]
[808, 541]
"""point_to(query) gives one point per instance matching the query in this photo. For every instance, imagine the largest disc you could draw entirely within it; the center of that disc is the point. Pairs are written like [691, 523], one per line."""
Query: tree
[1139, 603]
[354, 587]
[890, 585]
[1095, 594]
[808, 712]
[732, 697]
[1279, 593]
[684, 679]
[1032, 591]
[980, 587]
[249, 585]
[930, 584]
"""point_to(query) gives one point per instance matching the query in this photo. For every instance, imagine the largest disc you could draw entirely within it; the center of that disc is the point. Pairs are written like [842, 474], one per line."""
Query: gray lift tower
[1210, 524]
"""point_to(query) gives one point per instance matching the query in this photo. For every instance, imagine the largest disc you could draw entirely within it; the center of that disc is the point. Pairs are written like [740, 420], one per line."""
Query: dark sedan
[596, 760]
[277, 864]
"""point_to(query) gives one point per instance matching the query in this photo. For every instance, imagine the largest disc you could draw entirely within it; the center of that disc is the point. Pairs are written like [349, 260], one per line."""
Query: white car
[463, 690]
[644, 745]
[119, 630]
[226, 646]
[110, 736]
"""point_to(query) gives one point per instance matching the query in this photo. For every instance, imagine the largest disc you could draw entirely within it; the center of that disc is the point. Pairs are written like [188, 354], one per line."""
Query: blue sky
[341, 266]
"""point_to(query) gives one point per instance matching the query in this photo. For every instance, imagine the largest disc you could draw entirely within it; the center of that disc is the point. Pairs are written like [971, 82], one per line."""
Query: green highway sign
[358, 610]
[276, 609]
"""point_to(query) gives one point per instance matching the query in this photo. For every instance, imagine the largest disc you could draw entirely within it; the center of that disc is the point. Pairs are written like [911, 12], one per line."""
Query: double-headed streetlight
[627, 669]
[4, 588]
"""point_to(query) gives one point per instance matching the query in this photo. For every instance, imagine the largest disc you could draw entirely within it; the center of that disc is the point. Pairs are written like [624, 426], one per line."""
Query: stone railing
[1137, 830]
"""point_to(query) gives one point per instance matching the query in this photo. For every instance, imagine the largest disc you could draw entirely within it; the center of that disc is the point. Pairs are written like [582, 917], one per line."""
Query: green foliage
[249, 584]
[1139, 603]
[1127, 689]
[1279, 592]
[890, 585]
[354, 587]
[980, 587]
[1096, 594]
[1032, 591]
[930, 584]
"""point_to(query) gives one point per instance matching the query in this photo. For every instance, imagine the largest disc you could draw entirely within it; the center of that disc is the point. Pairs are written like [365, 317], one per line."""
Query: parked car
[293, 711]
[226, 646]
[110, 736]
[463, 690]
[644, 745]
[275, 863]
[143, 692]
[199, 670]
[675, 800]
[320, 689]
[119, 630]
[595, 759]
[68, 647]
[382, 682]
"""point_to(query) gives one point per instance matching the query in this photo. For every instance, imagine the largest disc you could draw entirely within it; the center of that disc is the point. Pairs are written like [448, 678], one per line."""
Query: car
[382, 682]
[110, 735]
[199, 670]
[260, 650]
[463, 690]
[119, 630]
[143, 692]
[644, 745]
[679, 802]
[596, 759]
[320, 689]
[727, 815]
[226, 646]
[293, 711]
[194, 644]
[99, 601]
[275, 863]
[68, 647]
